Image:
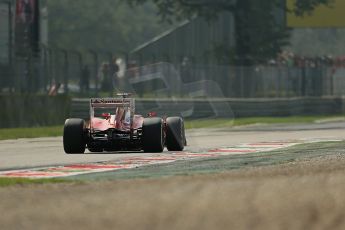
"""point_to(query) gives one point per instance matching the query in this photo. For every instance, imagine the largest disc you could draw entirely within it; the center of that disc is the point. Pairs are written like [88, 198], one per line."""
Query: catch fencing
[91, 73]
[59, 71]
[232, 81]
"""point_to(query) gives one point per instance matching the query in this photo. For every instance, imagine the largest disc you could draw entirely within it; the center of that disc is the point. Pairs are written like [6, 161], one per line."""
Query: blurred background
[253, 51]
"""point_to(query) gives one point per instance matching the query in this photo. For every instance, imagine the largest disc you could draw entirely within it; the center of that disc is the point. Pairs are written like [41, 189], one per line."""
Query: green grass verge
[55, 131]
[222, 163]
[52, 131]
[203, 123]
[5, 182]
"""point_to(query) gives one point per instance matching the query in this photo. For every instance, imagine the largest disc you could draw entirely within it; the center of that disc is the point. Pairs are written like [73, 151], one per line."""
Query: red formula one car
[114, 126]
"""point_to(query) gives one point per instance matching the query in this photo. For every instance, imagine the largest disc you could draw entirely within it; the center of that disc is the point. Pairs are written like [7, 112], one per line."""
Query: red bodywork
[114, 121]
[113, 125]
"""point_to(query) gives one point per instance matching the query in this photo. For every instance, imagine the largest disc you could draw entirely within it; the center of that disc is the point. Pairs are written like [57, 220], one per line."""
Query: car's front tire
[153, 138]
[175, 134]
[73, 136]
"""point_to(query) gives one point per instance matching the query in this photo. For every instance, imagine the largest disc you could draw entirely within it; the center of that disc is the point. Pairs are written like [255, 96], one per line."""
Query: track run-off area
[256, 177]
[44, 157]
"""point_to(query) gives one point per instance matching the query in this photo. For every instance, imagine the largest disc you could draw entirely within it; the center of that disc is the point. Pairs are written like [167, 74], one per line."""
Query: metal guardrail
[228, 108]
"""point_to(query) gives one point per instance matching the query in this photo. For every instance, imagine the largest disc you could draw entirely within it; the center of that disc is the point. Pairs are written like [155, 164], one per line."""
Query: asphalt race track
[28, 153]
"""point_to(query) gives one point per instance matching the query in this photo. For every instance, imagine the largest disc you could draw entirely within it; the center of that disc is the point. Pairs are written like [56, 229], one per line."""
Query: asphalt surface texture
[41, 152]
[301, 187]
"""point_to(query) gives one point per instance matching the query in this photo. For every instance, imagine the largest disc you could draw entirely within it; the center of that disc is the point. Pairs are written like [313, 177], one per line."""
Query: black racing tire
[175, 134]
[73, 136]
[153, 138]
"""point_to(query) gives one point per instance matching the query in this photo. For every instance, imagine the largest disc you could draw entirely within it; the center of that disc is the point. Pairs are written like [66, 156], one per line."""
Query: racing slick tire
[175, 135]
[73, 136]
[153, 138]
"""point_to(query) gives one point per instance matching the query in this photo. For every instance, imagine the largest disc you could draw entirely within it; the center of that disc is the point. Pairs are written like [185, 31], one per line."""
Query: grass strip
[223, 123]
[15, 133]
[55, 131]
[5, 182]
[222, 163]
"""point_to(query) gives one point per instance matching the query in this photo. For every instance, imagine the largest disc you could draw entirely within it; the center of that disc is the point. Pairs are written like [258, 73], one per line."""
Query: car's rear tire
[73, 136]
[175, 135]
[153, 138]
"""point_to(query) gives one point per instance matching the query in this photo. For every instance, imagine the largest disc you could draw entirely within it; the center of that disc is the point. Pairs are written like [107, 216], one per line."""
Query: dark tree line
[259, 35]
[102, 25]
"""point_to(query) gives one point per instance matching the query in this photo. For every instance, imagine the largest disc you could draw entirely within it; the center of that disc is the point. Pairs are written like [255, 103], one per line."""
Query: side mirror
[106, 115]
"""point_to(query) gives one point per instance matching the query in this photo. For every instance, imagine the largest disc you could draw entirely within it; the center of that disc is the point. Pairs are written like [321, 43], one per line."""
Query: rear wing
[113, 103]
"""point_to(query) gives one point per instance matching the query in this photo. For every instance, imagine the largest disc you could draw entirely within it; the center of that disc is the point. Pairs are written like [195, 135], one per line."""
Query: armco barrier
[29, 110]
[228, 108]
